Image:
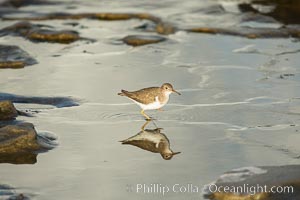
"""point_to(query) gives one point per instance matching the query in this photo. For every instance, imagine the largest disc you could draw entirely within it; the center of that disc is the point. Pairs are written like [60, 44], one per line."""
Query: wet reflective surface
[152, 140]
[239, 104]
[284, 11]
[20, 143]
[271, 182]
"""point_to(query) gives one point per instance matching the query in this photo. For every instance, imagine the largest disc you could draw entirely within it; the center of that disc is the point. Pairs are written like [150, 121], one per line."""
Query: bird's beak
[176, 92]
[175, 153]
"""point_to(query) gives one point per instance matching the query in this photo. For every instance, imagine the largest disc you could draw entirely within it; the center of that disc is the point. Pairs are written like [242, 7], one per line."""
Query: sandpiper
[152, 140]
[150, 98]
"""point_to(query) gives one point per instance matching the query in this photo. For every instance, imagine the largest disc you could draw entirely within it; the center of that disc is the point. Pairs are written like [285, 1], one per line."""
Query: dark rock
[285, 177]
[161, 26]
[7, 10]
[125, 16]
[20, 3]
[165, 28]
[7, 110]
[280, 12]
[20, 143]
[284, 76]
[64, 37]
[99, 16]
[147, 27]
[138, 40]
[6, 190]
[54, 16]
[285, 11]
[12, 64]
[58, 102]
[38, 33]
[20, 28]
[147, 16]
[19, 138]
[18, 197]
[73, 24]
[14, 57]
[249, 32]
[112, 16]
[9, 193]
[212, 10]
[18, 158]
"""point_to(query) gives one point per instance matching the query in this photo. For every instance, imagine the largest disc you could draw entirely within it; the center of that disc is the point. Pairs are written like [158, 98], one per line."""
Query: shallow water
[238, 105]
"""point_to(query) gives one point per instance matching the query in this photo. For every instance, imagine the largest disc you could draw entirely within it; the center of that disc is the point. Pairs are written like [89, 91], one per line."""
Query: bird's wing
[144, 96]
[143, 144]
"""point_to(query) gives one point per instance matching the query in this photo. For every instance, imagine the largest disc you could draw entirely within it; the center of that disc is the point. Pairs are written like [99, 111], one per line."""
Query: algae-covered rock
[165, 28]
[250, 32]
[64, 37]
[20, 3]
[20, 143]
[257, 183]
[39, 33]
[58, 102]
[161, 26]
[18, 138]
[7, 110]
[12, 64]
[112, 16]
[284, 11]
[138, 40]
[14, 57]
[18, 158]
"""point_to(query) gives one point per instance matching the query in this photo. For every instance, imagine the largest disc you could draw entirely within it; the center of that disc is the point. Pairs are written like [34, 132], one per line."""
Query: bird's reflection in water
[152, 140]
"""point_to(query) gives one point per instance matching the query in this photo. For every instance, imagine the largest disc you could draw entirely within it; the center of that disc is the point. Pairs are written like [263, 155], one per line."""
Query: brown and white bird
[150, 98]
[152, 140]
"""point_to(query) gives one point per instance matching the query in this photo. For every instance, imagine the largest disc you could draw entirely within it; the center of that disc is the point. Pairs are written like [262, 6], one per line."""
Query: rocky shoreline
[19, 141]
[17, 58]
[263, 183]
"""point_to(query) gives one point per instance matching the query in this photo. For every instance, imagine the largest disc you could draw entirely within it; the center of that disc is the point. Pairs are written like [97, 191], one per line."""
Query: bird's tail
[124, 141]
[122, 93]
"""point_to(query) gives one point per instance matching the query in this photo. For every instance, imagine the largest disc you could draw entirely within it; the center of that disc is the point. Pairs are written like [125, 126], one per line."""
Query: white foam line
[101, 122]
[177, 105]
[247, 101]
[204, 123]
[111, 53]
[207, 105]
[276, 100]
[155, 121]
[213, 123]
[218, 67]
[190, 90]
[259, 97]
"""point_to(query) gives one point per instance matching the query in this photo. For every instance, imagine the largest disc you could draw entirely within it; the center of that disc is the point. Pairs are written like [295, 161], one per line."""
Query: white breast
[152, 106]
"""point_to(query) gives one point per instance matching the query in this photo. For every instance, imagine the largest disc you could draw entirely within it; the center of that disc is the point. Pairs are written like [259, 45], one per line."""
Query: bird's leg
[144, 126]
[146, 116]
[160, 109]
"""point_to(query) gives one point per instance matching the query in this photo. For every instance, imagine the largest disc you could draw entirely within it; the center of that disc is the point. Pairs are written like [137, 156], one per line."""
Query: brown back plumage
[144, 96]
[152, 140]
